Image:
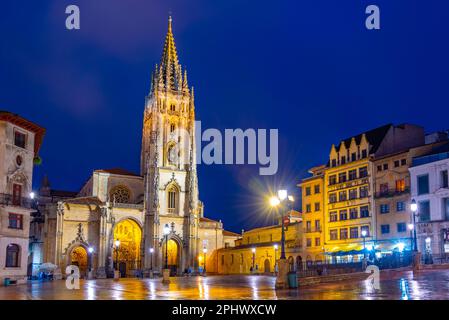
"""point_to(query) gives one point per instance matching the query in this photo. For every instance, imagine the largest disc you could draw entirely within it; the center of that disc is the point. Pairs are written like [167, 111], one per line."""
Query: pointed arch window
[12, 256]
[172, 198]
[120, 194]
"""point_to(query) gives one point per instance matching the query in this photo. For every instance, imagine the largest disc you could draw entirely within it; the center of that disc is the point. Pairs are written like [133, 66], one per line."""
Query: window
[363, 192]
[444, 179]
[363, 172]
[19, 139]
[333, 216]
[332, 197]
[364, 212]
[403, 162]
[172, 107]
[343, 234]
[424, 211]
[366, 229]
[446, 208]
[353, 156]
[120, 194]
[423, 184]
[15, 221]
[385, 166]
[364, 153]
[172, 127]
[352, 174]
[334, 162]
[308, 242]
[307, 191]
[333, 234]
[12, 256]
[352, 194]
[16, 194]
[308, 208]
[343, 214]
[317, 242]
[308, 226]
[343, 160]
[379, 168]
[383, 188]
[342, 177]
[385, 228]
[384, 208]
[354, 233]
[332, 179]
[396, 163]
[400, 185]
[317, 225]
[172, 199]
[353, 214]
[317, 206]
[342, 196]
[401, 227]
[19, 160]
[317, 188]
[400, 206]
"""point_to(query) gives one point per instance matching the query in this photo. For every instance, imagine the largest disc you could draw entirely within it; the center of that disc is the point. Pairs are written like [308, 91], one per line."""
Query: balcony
[9, 200]
[391, 193]
[312, 230]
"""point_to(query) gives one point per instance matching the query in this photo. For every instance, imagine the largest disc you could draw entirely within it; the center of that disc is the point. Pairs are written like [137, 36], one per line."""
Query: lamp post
[117, 245]
[364, 243]
[151, 258]
[253, 250]
[275, 202]
[414, 209]
[166, 232]
[411, 227]
[275, 256]
[204, 257]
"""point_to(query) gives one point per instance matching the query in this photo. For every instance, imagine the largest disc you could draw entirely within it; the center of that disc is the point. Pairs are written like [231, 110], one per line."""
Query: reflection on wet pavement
[405, 285]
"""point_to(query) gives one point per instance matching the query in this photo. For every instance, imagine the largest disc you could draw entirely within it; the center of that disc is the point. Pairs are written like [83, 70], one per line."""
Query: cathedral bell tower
[168, 166]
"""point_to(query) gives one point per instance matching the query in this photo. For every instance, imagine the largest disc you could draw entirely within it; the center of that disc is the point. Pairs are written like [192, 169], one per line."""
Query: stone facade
[19, 145]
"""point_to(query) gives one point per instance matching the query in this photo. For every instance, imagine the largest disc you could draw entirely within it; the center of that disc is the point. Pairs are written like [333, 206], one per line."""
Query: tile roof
[230, 233]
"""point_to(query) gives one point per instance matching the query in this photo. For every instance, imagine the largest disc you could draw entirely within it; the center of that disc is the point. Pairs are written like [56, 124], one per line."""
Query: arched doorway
[266, 268]
[127, 257]
[299, 265]
[173, 256]
[291, 263]
[78, 257]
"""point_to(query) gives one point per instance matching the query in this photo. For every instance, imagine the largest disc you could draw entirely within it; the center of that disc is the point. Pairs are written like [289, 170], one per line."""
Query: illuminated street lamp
[151, 258]
[204, 255]
[364, 233]
[90, 250]
[411, 227]
[275, 255]
[275, 202]
[32, 195]
[166, 232]
[414, 209]
[117, 245]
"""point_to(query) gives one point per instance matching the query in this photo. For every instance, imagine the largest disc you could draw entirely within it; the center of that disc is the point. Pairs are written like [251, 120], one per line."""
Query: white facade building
[430, 190]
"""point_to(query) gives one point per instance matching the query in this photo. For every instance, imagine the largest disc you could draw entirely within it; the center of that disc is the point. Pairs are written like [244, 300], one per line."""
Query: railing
[311, 230]
[9, 200]
[391, 193]
[317, 268]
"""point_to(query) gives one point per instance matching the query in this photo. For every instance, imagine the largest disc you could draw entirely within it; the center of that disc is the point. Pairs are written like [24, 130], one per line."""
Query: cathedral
[137, 223]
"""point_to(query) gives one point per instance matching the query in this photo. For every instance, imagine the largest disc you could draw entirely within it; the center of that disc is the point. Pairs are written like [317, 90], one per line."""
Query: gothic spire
[170, 69]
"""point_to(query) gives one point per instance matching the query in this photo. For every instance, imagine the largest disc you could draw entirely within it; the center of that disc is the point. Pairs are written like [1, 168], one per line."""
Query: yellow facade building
[313, 214]
[257, 250]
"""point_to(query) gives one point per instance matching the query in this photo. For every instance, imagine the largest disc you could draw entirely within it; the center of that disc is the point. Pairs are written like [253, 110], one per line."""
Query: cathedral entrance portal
[78, 257]
[173, 256]
[129, 233]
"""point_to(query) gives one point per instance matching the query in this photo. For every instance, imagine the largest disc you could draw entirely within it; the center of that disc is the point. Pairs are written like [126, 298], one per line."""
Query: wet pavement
[396, 285]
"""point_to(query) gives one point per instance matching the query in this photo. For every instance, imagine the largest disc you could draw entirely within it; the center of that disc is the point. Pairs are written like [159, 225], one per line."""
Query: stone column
[282, 277]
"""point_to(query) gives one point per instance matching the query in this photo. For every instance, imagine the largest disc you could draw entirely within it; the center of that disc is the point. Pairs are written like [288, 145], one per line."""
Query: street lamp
[275, 202]
[32, 195]
[411, 227]
[151, 258]
[414, 209]
[204, 255]
[253, 250]
[275, 255]
[166, 232]
[364, 233]
[90, 250]
[117, 245]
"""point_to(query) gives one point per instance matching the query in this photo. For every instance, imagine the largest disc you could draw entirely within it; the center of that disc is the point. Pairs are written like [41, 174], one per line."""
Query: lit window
[15, 221]
[12, 256]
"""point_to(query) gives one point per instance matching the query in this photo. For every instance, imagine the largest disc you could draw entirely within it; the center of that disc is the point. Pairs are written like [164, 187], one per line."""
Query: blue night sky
[309, 68]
